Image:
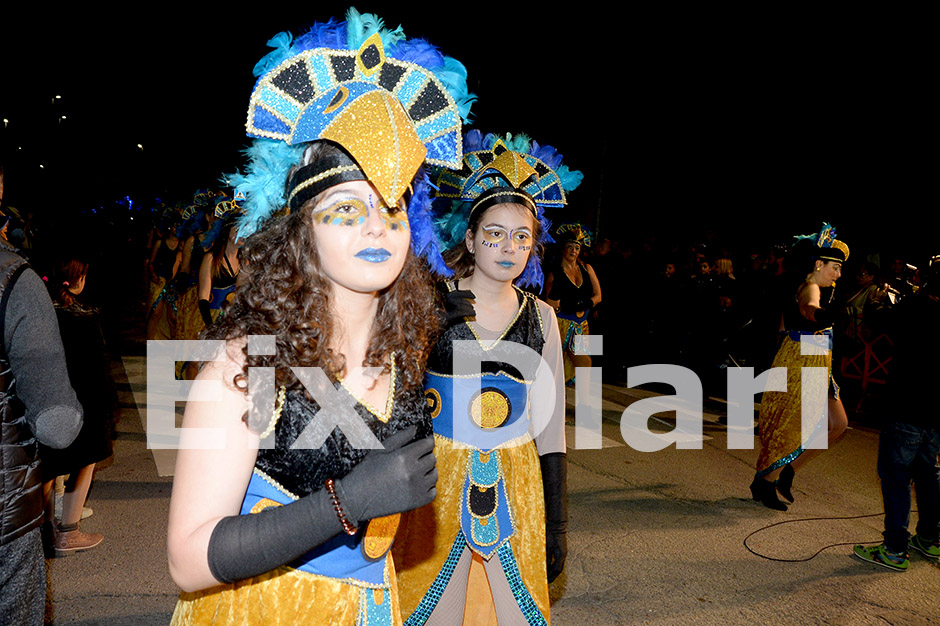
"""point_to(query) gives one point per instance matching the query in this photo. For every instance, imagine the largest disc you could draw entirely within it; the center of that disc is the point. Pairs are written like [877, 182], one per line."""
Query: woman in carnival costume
[199, 229]
[499, 421]
[806, 343]
[204, 225]
[573, 293]
[218, 271]
[164, 264]
[281, 526]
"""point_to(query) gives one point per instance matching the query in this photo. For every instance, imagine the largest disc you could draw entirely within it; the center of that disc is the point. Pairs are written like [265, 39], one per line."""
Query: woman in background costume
[291, 522]
[817, 261]
[478, 552]
[218, 272]
[573, 293]
[198, 230]
[164, 264]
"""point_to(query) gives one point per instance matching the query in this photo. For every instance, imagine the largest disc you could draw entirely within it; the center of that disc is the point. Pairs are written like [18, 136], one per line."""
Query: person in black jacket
[36, 404]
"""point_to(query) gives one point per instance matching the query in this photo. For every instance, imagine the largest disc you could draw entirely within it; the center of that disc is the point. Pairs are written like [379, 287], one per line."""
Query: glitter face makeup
[361, 244]
[353, 212]
[343, 212]
[394, 218]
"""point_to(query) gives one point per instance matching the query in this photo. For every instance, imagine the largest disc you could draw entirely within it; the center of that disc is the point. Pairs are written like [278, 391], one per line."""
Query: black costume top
[570, 294]
[305, 471]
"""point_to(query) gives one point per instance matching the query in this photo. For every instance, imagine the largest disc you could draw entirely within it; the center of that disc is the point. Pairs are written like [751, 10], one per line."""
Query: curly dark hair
[282, 291]
[461, 260]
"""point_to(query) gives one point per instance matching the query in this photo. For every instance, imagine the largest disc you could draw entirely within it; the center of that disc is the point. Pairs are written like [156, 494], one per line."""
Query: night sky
[754, 125]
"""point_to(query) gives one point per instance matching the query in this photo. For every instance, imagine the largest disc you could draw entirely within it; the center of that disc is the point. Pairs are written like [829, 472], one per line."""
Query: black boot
[766, 493]
[785, 482]
[555, 484]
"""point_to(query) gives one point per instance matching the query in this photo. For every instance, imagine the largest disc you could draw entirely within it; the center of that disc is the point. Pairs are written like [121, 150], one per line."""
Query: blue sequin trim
[781, 462]
[424, 609]
[372, 614]
[520, 592]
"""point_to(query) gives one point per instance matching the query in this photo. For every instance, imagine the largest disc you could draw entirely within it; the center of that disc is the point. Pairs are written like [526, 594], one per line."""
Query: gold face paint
[353, 212]
[394, 218]
[343, 212]
[522, 239]
[493, 236]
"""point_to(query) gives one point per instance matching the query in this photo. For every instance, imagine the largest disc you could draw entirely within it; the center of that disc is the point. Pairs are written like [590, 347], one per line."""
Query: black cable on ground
[808, 519]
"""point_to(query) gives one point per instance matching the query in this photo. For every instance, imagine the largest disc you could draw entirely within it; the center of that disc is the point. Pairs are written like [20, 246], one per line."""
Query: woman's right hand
[398, 478]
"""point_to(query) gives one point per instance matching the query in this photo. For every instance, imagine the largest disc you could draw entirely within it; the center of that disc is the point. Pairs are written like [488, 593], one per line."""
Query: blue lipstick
[374, 255]
[506, 263]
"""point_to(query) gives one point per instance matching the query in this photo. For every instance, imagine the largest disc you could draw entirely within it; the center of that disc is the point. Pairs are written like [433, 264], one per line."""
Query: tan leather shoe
[67, 541]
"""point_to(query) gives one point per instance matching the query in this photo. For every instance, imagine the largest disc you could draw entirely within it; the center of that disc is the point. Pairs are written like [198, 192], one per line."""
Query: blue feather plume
[361, 26]
[281, 43]
[211, 235]
[532, 275]
[423, 240]
[451, 223]
[473, 141]
[269, 160]
[329, 34]
[570, 179]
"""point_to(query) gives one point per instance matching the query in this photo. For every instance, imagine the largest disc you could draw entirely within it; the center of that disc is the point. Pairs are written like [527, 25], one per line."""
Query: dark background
[753, 124]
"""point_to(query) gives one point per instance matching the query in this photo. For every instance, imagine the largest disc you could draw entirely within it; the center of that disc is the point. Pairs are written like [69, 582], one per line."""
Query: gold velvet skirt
[153, 291]
[780, 424]
[427, 535]
[282, 597]
[188, 318]
[162, 317]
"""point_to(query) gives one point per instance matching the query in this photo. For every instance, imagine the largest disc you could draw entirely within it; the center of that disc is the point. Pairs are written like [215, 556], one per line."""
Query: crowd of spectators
[710, 306]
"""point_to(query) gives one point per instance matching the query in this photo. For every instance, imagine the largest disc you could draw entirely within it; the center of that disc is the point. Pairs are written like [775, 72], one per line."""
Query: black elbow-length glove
[457, 306]
[205, 311]
[555, 485]
[399, 478]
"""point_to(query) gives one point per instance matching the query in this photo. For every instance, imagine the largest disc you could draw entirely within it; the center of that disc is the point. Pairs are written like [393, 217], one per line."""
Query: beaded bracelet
[347, 525]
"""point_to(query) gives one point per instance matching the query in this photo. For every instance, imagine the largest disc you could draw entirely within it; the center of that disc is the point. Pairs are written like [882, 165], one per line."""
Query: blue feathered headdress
[830, 248]
[493, 162]
[194, 220]
[307, 85]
